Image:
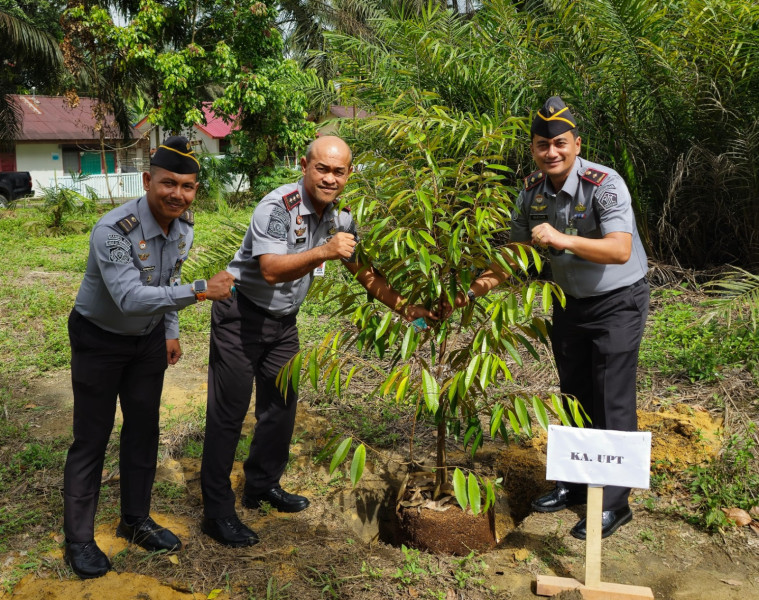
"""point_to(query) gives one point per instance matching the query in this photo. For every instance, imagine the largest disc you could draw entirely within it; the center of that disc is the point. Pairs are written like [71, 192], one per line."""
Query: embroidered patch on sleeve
[279, 223]
[607, 200]
[119, 249]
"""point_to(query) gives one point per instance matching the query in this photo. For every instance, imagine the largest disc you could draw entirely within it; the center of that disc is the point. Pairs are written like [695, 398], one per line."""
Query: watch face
[200, 286]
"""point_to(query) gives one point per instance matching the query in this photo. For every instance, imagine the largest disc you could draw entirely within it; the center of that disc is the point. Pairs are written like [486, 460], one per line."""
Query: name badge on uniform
[319, 271]
[570, 231]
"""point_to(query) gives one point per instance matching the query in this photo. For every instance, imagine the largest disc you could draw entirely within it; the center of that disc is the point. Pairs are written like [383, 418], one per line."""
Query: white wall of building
[41, 162]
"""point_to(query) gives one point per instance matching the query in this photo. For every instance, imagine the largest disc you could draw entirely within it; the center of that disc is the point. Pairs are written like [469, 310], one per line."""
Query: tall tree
[187, 54]
[29, 57]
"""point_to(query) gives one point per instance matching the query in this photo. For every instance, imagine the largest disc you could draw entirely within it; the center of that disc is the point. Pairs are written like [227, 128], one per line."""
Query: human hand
[173, 351]
[446, 310]
[546, 236]
[416, 311]
[342, 245]
[220, 286]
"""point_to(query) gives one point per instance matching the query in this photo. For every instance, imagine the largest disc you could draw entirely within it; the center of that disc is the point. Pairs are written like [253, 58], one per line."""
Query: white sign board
[598, 456]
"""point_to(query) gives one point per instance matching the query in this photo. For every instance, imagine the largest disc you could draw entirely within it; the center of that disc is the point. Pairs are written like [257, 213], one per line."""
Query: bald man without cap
[295, 232]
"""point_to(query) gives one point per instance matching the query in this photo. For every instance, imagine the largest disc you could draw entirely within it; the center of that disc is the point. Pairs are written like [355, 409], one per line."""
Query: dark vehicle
[14, 185]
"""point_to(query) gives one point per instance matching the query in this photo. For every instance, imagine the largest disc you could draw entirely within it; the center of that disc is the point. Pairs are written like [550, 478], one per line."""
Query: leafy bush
[731, 481]
[679, 344]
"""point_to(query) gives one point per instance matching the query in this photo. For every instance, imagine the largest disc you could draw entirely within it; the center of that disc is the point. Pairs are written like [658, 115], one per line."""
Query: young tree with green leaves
[226, 53]
[433, 209]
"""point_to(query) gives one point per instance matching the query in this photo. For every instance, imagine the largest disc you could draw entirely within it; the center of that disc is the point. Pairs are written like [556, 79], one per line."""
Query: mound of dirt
[681, 436]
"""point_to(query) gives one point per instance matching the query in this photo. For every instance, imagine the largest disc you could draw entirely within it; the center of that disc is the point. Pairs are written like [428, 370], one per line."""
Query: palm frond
[28, 42]
[208, 261]
[738, 297]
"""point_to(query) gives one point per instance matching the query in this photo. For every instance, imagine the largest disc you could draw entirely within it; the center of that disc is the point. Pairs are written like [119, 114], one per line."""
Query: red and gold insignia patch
[594, 176]
[533, 179]
[291, 200]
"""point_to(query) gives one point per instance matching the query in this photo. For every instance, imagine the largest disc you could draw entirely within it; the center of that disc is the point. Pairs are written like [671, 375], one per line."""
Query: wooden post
[594, 588]
[593, 536]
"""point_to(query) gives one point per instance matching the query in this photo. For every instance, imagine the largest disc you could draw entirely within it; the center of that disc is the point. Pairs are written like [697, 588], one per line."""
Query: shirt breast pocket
[587, 226]
[147, 275]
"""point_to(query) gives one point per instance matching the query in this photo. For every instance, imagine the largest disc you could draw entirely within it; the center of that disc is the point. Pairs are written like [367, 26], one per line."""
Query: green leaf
[424, 260]
[524, 417]
[546, 297]
[475, 497]
[295, 371]
[313, 368]
[514, 422]
[511, 308]
[431, 391]
[459, 488]
[357, 465]
[471, 371]
[540, 412]
[558, 406]
[350, 376]
[339, 456]
[409, 343]
[495, 420]
[402, 386]
[384, 324]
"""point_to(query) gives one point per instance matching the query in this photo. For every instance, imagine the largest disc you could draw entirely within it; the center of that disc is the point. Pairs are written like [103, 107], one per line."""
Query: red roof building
[61, 135]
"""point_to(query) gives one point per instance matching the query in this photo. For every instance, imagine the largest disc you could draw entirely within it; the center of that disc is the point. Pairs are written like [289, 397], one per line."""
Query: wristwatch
[470, 295]
[199, 287]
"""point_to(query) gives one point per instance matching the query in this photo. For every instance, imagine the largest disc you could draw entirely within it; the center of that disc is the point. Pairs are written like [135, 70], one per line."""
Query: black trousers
[247, 344]
[595, 343]
[105, 366]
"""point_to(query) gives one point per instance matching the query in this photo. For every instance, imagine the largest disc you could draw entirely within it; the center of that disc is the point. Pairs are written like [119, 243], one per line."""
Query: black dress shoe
[278, 498]
[229, 531]
[146, 533]
[86, 559]
[611, 520]
[559, 498]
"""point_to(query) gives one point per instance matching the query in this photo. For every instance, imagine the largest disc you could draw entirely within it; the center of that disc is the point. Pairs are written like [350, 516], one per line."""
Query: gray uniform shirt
[284, 222]
[132, 277]
[594, 201]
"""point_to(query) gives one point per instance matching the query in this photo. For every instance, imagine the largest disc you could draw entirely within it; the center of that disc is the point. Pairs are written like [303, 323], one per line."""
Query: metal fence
[122, 185]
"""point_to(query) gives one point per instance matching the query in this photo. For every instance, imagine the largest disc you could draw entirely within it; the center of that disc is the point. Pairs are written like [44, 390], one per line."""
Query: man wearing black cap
[582, 213]
[124, 331]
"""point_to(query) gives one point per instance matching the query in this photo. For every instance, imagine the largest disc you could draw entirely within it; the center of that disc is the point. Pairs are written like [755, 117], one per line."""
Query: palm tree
[23, 43]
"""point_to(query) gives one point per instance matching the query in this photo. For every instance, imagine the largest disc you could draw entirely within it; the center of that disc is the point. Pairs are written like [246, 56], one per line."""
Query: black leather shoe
[149, 535]
[559, 498]
[86, 559]
[611, 520]
[278, 498]
[229, 531]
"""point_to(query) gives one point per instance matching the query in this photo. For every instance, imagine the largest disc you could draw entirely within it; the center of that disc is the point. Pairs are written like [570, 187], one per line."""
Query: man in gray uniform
[294, 231]
[582, 212]
[124, 331]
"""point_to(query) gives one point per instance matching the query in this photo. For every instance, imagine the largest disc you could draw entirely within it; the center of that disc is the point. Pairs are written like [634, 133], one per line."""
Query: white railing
[122, 185]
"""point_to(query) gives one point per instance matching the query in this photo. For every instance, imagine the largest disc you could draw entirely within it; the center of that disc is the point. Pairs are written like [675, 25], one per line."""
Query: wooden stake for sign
[594, 588]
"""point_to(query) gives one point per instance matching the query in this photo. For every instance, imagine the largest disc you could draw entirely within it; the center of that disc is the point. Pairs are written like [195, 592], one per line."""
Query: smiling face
[326, 169]
[169, 194]
[556, 156]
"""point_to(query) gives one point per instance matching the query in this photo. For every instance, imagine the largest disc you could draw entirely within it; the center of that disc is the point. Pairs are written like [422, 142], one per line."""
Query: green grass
[730, 481]
[678, 344]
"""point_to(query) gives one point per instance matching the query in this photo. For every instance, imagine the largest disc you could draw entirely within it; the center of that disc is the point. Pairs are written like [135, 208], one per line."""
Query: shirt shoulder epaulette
[594, 176]
[188, 217]
[291, 200]
[128, 223]
[533, 179]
